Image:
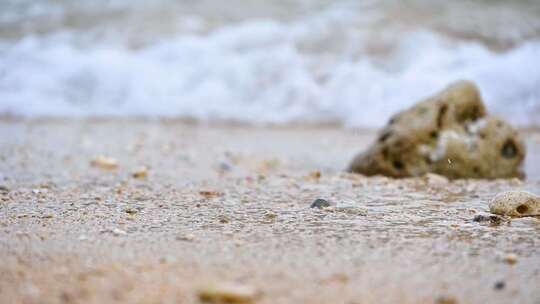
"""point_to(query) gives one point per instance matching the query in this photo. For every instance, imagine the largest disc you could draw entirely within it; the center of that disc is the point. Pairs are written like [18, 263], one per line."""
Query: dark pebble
[488, 218]
[4, 188]
[320, 203]
[225, 167]
[499, 285]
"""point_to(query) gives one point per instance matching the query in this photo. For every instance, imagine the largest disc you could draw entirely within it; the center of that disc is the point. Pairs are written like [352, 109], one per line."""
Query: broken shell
[104, 162]
[515, 203]
[228, 293]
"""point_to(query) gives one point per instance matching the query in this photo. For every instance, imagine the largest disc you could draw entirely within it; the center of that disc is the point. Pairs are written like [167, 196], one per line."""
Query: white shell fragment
[515, 203]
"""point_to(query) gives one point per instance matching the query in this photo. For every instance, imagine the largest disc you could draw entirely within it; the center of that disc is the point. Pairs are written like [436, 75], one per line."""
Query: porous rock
[515, 203]
[448, 134]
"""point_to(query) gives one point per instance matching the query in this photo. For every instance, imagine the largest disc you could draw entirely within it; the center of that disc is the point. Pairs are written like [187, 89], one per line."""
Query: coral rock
[515, 203]
[448, 134]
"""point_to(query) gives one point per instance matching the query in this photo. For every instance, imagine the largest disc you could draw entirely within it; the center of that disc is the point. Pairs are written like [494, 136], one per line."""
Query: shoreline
[352, 140]
[214, 122]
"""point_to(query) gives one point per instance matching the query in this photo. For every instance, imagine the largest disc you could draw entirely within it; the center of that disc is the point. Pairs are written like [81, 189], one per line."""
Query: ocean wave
[261, 71]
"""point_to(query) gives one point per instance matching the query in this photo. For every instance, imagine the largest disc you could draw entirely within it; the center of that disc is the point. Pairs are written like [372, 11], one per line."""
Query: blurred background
[319, 61]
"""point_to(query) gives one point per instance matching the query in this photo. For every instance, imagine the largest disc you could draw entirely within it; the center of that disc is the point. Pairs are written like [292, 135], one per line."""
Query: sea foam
[259, 71]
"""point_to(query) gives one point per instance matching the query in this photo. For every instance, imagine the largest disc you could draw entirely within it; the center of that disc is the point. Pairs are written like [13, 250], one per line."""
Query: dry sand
[231, 204]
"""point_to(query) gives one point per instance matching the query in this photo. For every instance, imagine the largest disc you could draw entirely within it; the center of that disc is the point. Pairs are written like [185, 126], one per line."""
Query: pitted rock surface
[516, 203]
[448, 134]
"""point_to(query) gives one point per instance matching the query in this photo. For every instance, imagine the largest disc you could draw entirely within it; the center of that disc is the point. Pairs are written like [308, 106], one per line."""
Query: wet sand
[226, 203]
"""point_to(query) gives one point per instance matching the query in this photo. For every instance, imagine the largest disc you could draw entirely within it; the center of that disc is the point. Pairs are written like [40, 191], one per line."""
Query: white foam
[258, 72]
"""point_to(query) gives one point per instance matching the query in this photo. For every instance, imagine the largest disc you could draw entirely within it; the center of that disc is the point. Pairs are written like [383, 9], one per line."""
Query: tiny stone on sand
[320, 203]
[104, 162]
[488, 218]
[140, 173]
[210, 193]
[231, 293]
[186, 237]
[510, 258]
[446, 300]
[499, 285]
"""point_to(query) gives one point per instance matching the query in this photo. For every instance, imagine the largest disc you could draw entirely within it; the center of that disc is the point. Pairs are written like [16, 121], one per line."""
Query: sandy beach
[170, 151]
[231, 203]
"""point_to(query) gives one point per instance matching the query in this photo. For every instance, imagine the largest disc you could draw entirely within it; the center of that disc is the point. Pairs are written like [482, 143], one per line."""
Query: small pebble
[446, 300]
[270, 215]
[130, 211]
[315, 175]
[114, 231]
[118, 232]
[223, 219]
[4, 188]
[210, 193]
[499, 285]
[140, 173]
[269, 164]
[488, 218]
[224, 167]
[320, 203]
[510, 259]
[186, 237]
[230, 293]
[104, 162]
